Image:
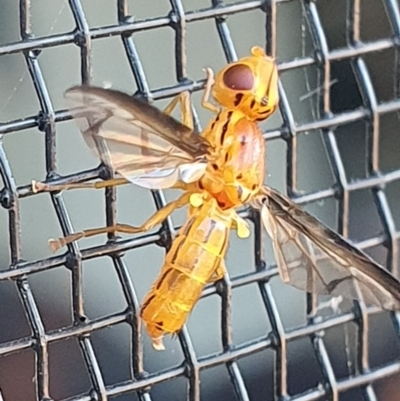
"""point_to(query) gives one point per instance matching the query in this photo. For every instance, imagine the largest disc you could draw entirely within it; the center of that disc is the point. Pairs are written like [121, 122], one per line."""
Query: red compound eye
[239, 77]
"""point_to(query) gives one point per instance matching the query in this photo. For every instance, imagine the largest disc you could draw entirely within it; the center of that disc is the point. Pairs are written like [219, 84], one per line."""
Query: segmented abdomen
[190, 264]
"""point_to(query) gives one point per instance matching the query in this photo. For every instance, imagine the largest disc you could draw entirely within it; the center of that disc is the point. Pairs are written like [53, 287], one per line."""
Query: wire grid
[278, 338]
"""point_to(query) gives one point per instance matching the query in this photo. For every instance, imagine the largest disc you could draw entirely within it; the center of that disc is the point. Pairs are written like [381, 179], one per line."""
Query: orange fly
[219, 170]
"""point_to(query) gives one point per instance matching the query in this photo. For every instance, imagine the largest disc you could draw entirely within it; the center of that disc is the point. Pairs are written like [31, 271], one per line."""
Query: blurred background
[337, 59]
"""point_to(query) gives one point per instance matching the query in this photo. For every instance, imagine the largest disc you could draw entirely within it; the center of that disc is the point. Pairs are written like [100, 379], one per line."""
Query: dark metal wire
[279, 337]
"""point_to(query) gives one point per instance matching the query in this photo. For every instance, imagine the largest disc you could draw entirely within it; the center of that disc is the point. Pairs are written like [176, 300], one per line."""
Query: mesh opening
[69, 323]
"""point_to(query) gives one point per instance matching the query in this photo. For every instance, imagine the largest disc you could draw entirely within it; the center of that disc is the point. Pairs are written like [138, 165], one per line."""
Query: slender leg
[207, 91]
[186, 112]
[56, 244]
[155, 219]
[159, 216]
[38, 186]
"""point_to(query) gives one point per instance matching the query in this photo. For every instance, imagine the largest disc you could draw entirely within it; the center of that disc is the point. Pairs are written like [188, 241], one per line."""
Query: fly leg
[161, 214]
[38, 186]
[186, 111]
[154, 220]
[207, 91]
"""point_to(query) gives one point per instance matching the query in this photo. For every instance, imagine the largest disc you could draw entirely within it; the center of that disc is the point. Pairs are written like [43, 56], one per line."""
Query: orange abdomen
[190, 264]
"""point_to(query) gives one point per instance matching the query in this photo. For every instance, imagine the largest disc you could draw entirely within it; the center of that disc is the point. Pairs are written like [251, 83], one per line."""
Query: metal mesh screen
[347, 64]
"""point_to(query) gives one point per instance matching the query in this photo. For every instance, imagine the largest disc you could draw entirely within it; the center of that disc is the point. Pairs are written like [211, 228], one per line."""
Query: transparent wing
[313, 258]
[135, 139]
